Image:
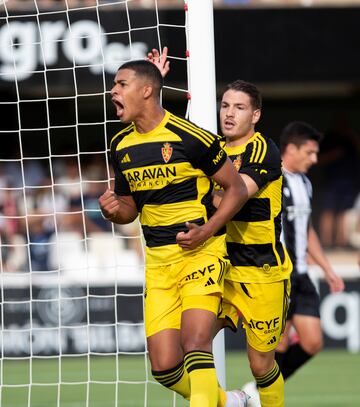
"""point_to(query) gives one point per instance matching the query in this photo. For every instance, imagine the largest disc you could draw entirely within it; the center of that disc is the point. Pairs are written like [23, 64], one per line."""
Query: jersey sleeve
[261, 162]
[205, 152]
[121, 185]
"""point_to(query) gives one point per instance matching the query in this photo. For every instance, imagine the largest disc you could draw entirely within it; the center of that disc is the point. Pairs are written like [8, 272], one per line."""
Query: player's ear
[292, 148]
[256, 116]
[147, 91]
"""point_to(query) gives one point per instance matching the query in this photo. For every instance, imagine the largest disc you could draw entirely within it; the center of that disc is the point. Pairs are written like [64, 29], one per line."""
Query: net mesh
[71, 283]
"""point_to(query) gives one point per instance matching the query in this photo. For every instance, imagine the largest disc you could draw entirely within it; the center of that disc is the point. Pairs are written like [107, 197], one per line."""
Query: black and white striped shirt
[297, 195]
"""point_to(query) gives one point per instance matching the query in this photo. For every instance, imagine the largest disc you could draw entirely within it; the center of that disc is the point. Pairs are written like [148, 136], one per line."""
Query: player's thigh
[172, 289]
[263, 308]
[230, 308]
[201, 275]
[201, 286]
[198, 322]
[162, 299]
[285, 338]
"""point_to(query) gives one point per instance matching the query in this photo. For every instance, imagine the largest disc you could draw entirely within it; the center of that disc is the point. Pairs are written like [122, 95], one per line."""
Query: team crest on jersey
[166, 152]
[237, 162]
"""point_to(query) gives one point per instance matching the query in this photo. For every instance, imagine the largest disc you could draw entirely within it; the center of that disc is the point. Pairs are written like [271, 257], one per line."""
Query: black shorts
[304, 299]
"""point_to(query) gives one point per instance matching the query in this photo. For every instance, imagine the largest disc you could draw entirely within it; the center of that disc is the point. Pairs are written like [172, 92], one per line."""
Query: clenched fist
[109, 204]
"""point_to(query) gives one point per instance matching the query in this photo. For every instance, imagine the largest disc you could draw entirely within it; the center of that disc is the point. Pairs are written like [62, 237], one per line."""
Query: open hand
[160, 61]
[336, 283]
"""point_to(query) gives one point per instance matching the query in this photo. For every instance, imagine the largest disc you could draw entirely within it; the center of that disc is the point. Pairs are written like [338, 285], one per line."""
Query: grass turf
[331, 379]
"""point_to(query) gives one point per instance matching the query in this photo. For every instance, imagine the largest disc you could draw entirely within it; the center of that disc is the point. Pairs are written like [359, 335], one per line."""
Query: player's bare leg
[292, 355]
[164, 349]
[309, 332]
[268, 377]
[197, 330]
[167, 361]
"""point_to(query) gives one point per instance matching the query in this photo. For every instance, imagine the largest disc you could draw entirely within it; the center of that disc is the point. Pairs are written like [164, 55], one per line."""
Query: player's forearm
[316, 251]
[233, 198]
[120, 218]
[117, 209]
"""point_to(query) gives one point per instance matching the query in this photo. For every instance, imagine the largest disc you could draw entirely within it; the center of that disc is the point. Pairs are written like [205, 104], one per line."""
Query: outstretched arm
[160, 61]
[335, 282]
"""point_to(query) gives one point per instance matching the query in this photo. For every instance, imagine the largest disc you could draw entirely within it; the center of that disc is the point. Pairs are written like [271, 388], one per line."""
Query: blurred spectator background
[34, 217]
[339, 162]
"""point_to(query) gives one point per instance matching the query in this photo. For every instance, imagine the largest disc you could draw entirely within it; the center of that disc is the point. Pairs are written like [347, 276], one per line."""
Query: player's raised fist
[109, 204]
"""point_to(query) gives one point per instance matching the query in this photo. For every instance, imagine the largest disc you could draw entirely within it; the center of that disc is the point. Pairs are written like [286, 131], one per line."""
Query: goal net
[71, 283]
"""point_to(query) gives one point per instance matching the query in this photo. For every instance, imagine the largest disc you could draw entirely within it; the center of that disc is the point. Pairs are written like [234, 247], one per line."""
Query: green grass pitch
[331, 379]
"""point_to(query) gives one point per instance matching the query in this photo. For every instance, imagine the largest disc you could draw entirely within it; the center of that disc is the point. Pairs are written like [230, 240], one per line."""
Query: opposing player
[299, 143]
[257, 285]
[164, 171]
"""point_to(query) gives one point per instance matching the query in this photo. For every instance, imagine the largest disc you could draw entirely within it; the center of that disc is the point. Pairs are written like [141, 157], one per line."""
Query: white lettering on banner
[84, 42]
[80, 339]
[101, 304]
[102, 339]
[45, 341]
[349, 329]
[20, 58]
[51, 32]
[23, 47]
[15, 340]
[131, 337]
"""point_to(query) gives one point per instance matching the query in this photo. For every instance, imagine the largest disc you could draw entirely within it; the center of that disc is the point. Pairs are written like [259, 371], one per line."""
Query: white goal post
[202, 86]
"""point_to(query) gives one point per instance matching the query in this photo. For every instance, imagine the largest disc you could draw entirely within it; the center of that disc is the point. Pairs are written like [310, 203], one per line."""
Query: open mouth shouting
[119, 108]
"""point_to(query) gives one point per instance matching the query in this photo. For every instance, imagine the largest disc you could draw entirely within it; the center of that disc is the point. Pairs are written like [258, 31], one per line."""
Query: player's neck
[149, 119]
[288, 167]
[239, 140]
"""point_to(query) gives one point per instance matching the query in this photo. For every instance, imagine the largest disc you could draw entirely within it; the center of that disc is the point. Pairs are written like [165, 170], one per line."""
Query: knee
[261, 367]
[313, 346]
[165, 360]
[197, 341]
[161, 363]
[282, 346]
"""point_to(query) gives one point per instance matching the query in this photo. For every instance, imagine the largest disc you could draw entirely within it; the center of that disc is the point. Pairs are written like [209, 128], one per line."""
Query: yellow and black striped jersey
[167, 172]
[253, 234]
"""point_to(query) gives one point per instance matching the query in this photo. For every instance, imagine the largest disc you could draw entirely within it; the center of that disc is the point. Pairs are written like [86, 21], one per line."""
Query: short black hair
[147, 69]
[250, 89]
[298, 133]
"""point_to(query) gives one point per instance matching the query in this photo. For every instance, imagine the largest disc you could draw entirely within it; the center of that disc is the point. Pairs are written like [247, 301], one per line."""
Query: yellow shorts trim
[208, 302]
[262, 307]
[195, 282]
